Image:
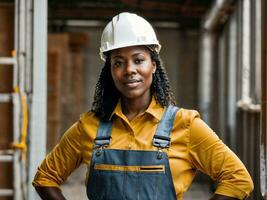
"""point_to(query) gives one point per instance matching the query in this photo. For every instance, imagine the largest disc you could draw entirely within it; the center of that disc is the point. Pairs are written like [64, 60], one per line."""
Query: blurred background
[214, 52]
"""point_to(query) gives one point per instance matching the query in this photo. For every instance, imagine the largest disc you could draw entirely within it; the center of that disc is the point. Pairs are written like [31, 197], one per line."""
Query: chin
[132, 95]
[135, 95]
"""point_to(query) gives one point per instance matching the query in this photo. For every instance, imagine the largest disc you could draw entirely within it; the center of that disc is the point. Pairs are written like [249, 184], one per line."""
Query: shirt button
[129, 146]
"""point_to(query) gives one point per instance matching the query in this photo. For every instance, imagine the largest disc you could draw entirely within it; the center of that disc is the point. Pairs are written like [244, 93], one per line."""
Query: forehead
[130, 51]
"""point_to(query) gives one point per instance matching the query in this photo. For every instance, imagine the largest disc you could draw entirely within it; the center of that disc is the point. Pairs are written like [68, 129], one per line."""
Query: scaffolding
[29, 92]
[232, 37]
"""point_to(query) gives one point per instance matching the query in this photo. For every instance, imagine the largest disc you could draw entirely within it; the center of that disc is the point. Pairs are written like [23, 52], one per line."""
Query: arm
[50, 193]
[59, 164]
[210, 155]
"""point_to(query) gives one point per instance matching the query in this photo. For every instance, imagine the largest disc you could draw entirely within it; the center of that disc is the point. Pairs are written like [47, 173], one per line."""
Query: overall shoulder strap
[162, 138]
[103, 137]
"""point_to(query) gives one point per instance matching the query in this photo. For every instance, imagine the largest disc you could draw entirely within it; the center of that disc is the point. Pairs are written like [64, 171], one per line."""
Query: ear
[154, 67]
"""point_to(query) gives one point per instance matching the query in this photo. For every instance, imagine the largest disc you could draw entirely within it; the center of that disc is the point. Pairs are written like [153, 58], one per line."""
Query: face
[132, 69]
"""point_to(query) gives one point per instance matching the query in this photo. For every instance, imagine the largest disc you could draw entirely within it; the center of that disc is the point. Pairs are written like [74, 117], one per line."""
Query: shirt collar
[154, 109]
[117, 111]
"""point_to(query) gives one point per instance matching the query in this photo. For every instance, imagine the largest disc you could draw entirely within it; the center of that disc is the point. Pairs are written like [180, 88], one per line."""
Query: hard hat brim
[153, 47]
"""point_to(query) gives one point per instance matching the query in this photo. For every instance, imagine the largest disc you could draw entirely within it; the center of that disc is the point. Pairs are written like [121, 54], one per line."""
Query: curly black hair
[106, 94]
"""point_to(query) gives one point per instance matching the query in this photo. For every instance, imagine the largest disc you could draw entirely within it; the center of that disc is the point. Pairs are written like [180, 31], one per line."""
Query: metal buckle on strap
[161, 141]
[102, 141]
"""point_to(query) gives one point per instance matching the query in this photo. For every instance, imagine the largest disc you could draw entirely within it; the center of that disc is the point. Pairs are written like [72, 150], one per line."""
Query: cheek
[148, 72]
[114, 74]
[148, 77]
[116, 78]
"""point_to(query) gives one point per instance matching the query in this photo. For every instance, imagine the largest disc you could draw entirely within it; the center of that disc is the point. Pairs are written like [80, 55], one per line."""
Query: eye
[117, 63]
[138, 61]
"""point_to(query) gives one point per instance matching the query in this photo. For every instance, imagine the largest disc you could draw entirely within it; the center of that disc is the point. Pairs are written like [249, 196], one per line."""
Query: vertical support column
[232, 70]
[263, 149]
[206, 75]
[222, 81]
[18, 164]
[16, 102]
[244, 90]
[246, 53]
[258, 54]
[37, 137]
[28, 46]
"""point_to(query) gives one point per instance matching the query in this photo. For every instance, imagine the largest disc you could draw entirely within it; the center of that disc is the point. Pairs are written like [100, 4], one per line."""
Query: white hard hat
[127, 29]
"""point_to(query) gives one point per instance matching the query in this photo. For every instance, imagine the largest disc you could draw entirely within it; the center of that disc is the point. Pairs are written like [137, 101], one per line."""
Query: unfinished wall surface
[93, 62]
[180, 58]
[58, 56]
[78, 43]
[6, 116]
[66, 97]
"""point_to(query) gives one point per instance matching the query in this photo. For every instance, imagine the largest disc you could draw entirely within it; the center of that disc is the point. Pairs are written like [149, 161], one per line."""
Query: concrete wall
[180, 57]
[66, 83]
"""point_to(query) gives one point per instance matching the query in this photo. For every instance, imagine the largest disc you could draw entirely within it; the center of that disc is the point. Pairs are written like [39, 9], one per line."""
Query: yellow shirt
[193, 146]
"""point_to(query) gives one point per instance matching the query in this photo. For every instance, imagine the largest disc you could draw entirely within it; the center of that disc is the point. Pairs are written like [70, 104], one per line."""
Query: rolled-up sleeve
[210, 155]
[62, 160]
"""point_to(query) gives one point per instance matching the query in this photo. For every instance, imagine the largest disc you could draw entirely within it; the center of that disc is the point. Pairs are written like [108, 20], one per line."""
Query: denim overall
[132, 174]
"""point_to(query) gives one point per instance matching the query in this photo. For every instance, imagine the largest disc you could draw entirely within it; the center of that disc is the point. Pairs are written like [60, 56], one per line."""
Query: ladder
[17, 62]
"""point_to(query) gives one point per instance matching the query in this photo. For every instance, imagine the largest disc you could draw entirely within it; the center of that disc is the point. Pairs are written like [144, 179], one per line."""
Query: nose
[130, 68]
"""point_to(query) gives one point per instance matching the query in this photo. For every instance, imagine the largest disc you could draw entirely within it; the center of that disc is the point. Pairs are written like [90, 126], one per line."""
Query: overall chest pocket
[115, 182]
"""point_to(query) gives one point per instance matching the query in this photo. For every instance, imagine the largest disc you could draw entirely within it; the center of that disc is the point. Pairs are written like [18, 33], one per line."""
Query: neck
[133, 107]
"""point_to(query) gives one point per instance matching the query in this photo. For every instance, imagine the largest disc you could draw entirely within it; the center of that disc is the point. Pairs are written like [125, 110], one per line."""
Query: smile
[132, 83]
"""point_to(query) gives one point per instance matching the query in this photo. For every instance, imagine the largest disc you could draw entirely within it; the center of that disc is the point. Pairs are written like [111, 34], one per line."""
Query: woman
[135, 142]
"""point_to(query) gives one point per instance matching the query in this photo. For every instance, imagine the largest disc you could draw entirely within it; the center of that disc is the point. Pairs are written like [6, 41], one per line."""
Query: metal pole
[206, 75]
[232, 70]
[208, 42]
[213, 17]
[16, 105]
[263, 150]
[37, 138]
[222, 84]
[20, 166]
[245, 94]
[258, 44]
[28, 47]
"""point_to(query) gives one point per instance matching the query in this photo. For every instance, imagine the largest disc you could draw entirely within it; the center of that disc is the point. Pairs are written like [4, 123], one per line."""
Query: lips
[132, 83]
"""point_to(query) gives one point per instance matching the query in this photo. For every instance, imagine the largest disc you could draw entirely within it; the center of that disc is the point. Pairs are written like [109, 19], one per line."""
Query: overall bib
[132, 174]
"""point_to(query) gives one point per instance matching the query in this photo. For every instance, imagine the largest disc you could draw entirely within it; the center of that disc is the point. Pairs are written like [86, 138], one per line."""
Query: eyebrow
[116, 56]
[119, 56]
